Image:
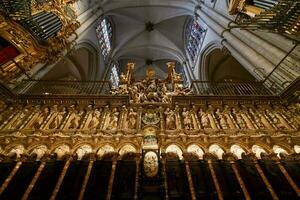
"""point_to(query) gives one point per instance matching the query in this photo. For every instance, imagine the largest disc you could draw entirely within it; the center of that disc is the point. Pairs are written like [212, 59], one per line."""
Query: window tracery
[195, 34]
[114, 75]
[104, 35]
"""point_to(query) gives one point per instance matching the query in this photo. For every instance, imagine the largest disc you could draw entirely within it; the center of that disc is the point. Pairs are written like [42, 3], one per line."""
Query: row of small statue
[37, 117]
[233, 118]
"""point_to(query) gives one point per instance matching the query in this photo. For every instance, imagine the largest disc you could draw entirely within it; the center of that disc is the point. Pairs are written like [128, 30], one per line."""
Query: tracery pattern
[194, 37]
[104, 35]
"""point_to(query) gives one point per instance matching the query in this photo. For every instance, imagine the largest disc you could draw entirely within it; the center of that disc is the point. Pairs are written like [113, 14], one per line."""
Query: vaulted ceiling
[149, 34]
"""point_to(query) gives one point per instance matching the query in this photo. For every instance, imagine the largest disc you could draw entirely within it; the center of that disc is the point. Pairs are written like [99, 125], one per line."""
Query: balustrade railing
[230, 88]
[35, 87]
[201, 88]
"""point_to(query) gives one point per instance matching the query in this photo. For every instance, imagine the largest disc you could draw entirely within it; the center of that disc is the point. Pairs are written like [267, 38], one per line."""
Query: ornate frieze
[226, 119]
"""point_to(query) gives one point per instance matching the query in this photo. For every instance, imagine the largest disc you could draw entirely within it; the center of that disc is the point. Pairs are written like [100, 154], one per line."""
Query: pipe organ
[276, 16]
[43, 25]
[39, 30]
[265, 4]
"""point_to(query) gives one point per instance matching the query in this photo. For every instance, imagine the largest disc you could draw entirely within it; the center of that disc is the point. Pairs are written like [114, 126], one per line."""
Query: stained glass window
[194, 38]
[104, 35]
[114, 76]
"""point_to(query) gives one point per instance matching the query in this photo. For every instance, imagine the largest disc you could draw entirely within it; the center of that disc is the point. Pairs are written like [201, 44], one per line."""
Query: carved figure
[95, 121]
[222, 119]
[239, 120]
[114, 118]
[204, 119]
[275, 120]
[170, 119]
[187, 119]
[41, 118]
[292, 120]
[151, 89]
[132, 119]
[58, 119]
[74, 123]
[256, 119]
[18, 122]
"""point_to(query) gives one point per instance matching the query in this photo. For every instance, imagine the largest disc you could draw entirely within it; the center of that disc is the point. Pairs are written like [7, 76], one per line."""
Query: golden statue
[150, 73]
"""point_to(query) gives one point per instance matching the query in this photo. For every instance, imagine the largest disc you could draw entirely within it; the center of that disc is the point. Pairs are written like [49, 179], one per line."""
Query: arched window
[194, 38]
[114, 75]
[104, 35]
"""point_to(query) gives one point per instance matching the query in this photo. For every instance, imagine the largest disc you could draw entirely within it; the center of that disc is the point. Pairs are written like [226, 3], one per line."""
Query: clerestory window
[114, 75]
[104, 35]
[194, 38]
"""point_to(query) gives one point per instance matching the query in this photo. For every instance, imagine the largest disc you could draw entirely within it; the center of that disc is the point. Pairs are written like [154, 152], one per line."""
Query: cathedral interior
[149, 99]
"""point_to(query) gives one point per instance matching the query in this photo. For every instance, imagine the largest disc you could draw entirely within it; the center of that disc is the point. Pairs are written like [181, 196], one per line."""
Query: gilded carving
[151, 90]
[150, 164]
[95, 119]
[187, 119]
[170, 119]
[31, 52]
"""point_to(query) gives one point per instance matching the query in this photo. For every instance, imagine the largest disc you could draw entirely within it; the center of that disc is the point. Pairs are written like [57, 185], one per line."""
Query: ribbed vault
[149, 32]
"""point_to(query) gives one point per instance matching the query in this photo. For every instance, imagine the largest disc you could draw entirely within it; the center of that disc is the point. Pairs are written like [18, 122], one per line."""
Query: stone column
[286, 175]
[34, 180]
[256, 59]
[112, 177]
[252, 51]
[61, 179]
[87, 176]
[187, 158]
[231, 159]
[10, 177]
[253, 41]
[210, 158]
[264, 178]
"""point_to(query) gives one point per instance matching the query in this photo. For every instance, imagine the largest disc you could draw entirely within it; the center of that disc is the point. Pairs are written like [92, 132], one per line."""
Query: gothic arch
[217, 64]
[216, 150]
[95, 60]
[105, 149]
[174, 148]
[196, 150]
[82, 63]
[83, 150]
[210, 47]
[127, 148]
[237, 150]
[61, 150]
